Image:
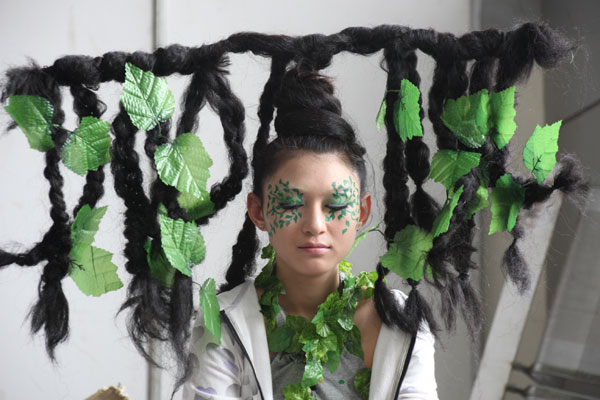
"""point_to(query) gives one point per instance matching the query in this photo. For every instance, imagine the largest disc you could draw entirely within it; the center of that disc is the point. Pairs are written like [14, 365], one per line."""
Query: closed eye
[337, 207]
[290, 206]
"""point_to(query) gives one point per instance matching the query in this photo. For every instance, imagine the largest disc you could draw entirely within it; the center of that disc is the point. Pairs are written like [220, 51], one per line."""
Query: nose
[313, 220]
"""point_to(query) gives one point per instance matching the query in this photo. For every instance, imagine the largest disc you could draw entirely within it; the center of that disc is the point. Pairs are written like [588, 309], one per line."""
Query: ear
[255, 211]
[365, 210]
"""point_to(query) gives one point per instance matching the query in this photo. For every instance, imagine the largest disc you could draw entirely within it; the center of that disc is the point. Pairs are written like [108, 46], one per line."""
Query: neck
[303, 294]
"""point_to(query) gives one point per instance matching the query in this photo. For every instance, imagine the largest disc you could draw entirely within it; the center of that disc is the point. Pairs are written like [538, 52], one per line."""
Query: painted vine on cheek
[282, 205]
[349, 195]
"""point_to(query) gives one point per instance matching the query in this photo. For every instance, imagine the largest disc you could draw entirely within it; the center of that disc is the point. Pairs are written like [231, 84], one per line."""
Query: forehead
[313, 172]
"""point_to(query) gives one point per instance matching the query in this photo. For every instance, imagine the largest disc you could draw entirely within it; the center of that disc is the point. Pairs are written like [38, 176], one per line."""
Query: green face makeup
[282, 204]
[344, 203]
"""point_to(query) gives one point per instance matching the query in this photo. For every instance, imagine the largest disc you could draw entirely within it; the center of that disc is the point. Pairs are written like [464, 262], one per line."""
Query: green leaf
[182, 243]
[88, 147]
[296, 391]
[86, 223]
[480, 201]
[407, 119]
[146, 98]
[196, 207]
[93, 271]
[353, 343]
[539, 154]
[406, 256]
[210, 308]
[34, 115]
[333, 361]
[467, 117]
[448, 166]
[184, 164]
[359, 238]
[267, 252]
[280, 338]
[160, 268]
[381, 114]
[502, 110]
[313, 373]
[362, 383]
[507, 200]
[442, 221]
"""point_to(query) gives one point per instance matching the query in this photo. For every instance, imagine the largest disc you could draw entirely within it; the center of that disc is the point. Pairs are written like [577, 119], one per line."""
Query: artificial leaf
[507, 200]
[353, 343]
[296, 391]
[34, 115]
[146, 98]
[88, 147]
[467, 117]
[160, 268]
[267, 252]
[92, 270]
[333, 360]
[184, 164]
[539, 154]
[381, 115]
[407, 253]
[442, 220]
[502, 110]
[279, 338]
[182, 243]
[313, 373]
[407, 119]
[362, 383]
[196, 207]
[480, 201]
[86, 223]
[210, 308]
[448, 166]
[362, 235]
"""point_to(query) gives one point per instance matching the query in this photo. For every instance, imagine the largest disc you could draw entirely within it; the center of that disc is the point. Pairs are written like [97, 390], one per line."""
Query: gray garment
[288, 368]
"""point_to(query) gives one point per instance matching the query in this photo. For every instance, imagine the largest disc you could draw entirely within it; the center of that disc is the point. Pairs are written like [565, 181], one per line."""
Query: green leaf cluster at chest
[282, 205]
[345, 194]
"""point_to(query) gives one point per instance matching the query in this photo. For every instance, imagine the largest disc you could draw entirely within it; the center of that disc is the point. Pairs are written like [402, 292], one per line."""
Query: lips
[314, 248]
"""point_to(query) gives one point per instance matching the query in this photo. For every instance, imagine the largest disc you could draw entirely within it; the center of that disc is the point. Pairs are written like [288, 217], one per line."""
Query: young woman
[309, 196]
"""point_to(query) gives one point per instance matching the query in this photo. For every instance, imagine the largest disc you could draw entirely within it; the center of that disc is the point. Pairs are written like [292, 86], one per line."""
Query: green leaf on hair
[210, 308]
[92, 270]
[34, 115]
[442, 220]
[146, 98]
[407, 253]
[296, 391]
[448, 166]
[381, 114]
[467, 117]
[184, 164]
[182, 243]
[507, 200]
[362, 383]
[160, 268]
[88, 147]
[539, 154]
[480, 201]
[196, 207]
[86, 223]
[502, 110]
[407, 119]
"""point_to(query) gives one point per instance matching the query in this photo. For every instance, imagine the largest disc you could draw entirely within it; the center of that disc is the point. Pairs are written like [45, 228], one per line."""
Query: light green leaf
[539, 154]
[210, 308]
[449, 166]
[381, 114]
[93, 271]
[502, 110]
[362, 383]
[86, 223]
[442, 221]
[296, 391]
[196, 207]
[160, 268]
[467, 117]
[34, 115]
[507, 200]
[313, 373]
[406, 256]
[88, 147]
[146, 98]
[406, 111]
[480, 201]
[359, 238]
[184, 164]
[182, 243]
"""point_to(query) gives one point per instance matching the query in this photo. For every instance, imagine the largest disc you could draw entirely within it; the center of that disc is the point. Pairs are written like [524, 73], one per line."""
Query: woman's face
[312, 209]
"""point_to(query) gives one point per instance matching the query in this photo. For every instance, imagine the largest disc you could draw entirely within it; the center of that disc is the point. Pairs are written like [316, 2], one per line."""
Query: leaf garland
[146, 98]
[539, 154]
[182, 243]
[34, 115]
[448, 166]
[507, 200]
[210, 308]
[362, 383]
[408, 252]
[88, 147]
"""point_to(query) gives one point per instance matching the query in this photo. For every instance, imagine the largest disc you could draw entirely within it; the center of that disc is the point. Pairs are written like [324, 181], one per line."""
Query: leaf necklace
[322, 339]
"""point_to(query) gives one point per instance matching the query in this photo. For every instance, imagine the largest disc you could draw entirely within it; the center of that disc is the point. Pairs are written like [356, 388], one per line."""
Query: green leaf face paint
[282, 205]
[344, 203]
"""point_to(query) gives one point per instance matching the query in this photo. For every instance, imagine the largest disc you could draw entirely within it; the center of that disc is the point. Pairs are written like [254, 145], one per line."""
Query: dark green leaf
[333, 360]
[296, 391]
[280, 338]
[406, 255]
[210, 308]
[160, 268]
[353, 343]
[539, 154]
[34, 115]
[507, 200]
[88, 147]
[449, 166]
[362, 383]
